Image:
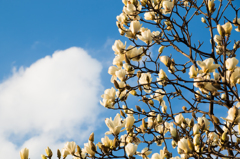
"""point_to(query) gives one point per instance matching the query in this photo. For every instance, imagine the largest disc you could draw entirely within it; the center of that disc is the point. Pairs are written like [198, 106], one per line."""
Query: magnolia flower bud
[196, 140]
[190, 145]
[151, 103]
[79, 149]
[203, 20]
[220, 30]
[129, 123]
[238, 128]
[215, 119]
[138, 108]
[133, 92]
[164, 107]
[211, 6]
[173, 131]
[184, 108]
[91, 137]
[196, 129]
[160, 50]
[224, 136]
[122, 114]
[174, 144]
[144, 123]
[159, 118]
[48, 152]
[24, 153]
[58, 153]
[43, 157]
[223, 96]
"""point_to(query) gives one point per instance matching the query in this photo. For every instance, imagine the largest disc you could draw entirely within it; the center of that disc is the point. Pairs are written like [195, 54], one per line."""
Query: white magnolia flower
[65, 152]
[122, 18]
[207, 65]
[118, 60]
[238, 26]
[106, 141]
[158, 156]
[129, 139]
[235, 75]
[118, 47]
[179, 119]
[115, 125]
[121, 74]
[218, 39]
[135, 26]
[149, 15]
[151, 118]
[204, 120]
[83, 154]
[70, 147]
[192, 72]
[155, 33]
[168, 6]
[183, 146]
[24, 153]
[213, 138]
[130, 149]
[162, 75]
[108, 98]
[146, 80]
[231, 63]
[130, 9]
[233, 115]
[87, 149]
[135, 54]
[146, 36]
[165, 60]
[144, 153]
[112, 70]
[159, 94]
[227, 28]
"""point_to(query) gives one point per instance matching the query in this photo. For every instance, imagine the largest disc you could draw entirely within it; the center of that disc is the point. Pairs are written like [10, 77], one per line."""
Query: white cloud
[50, 102]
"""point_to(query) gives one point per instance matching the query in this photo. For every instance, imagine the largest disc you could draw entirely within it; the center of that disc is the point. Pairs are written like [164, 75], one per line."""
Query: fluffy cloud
[52, 101]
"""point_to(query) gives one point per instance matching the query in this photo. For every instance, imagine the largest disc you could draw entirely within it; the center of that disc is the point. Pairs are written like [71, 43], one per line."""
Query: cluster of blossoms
[156, 80]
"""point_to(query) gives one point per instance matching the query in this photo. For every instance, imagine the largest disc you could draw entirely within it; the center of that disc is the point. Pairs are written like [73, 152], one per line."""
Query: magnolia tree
[167, 105]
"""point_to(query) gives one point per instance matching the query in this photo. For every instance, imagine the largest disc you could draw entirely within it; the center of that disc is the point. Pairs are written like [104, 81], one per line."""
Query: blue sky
[54, 57]
[34, 81]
